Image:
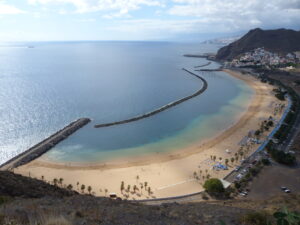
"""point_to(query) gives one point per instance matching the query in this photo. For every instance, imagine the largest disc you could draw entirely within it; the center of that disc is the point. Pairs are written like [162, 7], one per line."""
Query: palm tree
[70, 186]
[141, 185]
[42, 177]
[208, 176]
[145, 184]
[206, 170]
[61, 181]
[82, 188]
[215, 158]
[77, 185]
[195, 174]
[226, 161]
[128, 188]
[134, 188]
[220, 158]
[232, 160]
[89, 189]
[149, 190]
[122, 186]
[137, 179]
[55, 181]
[105, 191]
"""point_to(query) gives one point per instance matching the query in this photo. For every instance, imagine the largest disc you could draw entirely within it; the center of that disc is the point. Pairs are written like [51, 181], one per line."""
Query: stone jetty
[206, 64]
[167, 106]
[45, 145]
[210, 70]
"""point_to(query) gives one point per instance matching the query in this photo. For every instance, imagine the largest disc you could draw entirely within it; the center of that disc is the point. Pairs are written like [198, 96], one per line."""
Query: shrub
[255, 218]
[265, 161]
[214, 185]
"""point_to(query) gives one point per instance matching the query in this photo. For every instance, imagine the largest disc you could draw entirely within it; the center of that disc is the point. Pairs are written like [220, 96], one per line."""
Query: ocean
[45, 87]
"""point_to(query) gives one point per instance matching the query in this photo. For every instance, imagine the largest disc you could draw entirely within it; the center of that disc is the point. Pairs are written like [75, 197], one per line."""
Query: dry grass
[60, 220]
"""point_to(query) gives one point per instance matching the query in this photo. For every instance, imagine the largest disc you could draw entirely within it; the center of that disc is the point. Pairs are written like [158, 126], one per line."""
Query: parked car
[283, 188]
[287, 191]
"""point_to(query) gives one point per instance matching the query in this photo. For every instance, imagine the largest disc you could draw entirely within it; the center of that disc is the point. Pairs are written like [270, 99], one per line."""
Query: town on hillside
[260, 57]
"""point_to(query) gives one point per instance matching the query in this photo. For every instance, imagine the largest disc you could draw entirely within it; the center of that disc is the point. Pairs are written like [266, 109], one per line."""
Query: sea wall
[206, 64]
[45, 145]
[167, 106]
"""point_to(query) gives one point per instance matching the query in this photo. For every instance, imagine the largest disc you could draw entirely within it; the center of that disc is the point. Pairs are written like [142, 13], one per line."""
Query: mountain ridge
[280, 41]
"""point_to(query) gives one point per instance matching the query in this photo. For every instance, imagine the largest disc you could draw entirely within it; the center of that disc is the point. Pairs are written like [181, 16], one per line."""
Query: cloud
[120, 8]
[240, 14]
[162, 28]
[6, 9]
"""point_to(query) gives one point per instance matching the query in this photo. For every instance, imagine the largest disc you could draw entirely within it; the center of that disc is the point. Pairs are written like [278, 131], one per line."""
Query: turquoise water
[44, 88]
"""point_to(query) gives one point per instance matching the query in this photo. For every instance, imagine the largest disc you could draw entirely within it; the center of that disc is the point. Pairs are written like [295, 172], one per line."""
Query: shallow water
[46, 87]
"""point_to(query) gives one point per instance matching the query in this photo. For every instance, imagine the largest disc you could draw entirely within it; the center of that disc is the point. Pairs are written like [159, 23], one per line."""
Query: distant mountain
[221, 41]
[279, 41]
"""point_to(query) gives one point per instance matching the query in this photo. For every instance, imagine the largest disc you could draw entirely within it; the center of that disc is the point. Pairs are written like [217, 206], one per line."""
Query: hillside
[29, 201]
[280, 41]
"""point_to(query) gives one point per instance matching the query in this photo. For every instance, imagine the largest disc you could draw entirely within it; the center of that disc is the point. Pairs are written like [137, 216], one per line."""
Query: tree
[89, 189]
[61, 181]
[149, 191]
[55, 181]
[232, 160]
[226, 161]
[70, 187]
[195, 174]
[137, 179]
[82, 188]
[128, 188]
[42, 177]
[77, 185]
[214, 185]
[122, 186]
[105, 191]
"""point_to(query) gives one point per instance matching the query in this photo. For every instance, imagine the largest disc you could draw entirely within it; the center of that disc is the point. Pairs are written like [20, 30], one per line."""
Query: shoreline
[168, 175]
[124, 162]
[162, 108]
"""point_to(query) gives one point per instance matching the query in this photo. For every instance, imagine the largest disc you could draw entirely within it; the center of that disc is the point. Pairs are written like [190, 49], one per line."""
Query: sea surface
[46, 86]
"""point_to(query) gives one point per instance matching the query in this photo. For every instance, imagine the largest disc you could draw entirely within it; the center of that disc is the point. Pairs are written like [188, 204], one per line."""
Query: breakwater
[45, 145]
[206, 64]
[210, 70]
[167, 106]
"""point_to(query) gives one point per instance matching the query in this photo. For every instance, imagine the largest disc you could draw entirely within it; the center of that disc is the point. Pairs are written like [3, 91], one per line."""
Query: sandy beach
[177, 173]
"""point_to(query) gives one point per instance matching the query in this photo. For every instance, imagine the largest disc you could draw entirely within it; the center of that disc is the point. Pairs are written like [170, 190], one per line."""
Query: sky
[191, 20]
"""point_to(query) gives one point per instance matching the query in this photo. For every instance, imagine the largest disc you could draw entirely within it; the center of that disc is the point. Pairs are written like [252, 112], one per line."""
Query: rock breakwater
[45, 145]
[167, 106]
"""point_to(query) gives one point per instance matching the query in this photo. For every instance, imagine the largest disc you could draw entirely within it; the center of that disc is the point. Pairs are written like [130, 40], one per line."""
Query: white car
[287, 191]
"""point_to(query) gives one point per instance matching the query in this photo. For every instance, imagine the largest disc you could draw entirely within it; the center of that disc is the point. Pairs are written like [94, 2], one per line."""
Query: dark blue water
[44, 88]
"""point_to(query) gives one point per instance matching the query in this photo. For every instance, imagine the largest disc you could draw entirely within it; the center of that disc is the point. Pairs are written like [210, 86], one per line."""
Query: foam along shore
[45, 145]
[163, 108]
[169, 174]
